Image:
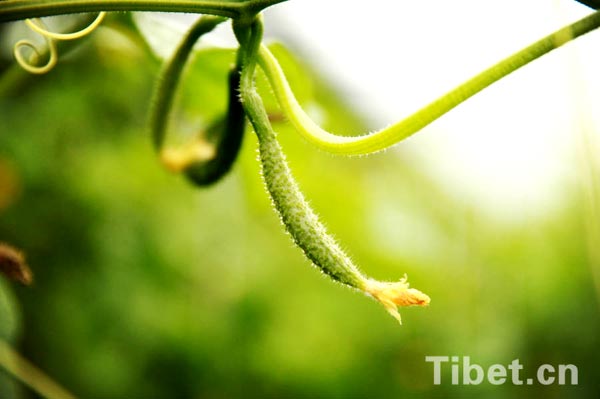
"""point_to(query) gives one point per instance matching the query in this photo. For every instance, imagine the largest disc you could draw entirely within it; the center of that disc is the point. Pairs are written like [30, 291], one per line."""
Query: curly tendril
[30, 65]
[38, 26]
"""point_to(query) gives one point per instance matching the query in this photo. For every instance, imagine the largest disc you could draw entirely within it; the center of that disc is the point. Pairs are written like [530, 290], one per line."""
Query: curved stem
[391, 135]
[12, 10]
[169, 78]
[30, 375]
[299, 219]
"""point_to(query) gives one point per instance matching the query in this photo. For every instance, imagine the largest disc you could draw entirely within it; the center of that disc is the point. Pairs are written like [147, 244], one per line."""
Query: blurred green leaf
[164, 31]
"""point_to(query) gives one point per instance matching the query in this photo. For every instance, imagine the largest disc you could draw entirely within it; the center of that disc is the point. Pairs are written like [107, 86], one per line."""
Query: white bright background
[512, 150]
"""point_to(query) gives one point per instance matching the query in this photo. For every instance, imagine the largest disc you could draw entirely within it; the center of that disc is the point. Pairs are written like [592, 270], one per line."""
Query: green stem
[391, 135]
[30, 375]
[12, 10]
[161, 106]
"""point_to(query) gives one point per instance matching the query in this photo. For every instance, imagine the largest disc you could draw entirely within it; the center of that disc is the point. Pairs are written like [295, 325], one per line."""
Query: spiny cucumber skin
[303, 224]
[299, 219]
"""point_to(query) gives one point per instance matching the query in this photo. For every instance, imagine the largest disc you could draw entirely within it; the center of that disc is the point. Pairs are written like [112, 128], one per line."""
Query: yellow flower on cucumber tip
[395, 294]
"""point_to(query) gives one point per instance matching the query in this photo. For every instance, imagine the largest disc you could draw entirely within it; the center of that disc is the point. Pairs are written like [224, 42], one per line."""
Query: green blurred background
[146, 287]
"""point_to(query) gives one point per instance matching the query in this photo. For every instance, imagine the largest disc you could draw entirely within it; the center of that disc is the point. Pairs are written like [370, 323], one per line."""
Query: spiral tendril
[38, 26]
[30, 64]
